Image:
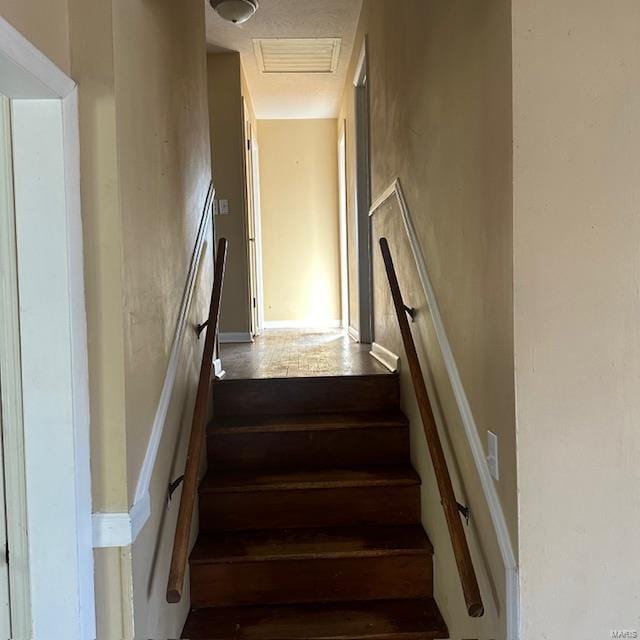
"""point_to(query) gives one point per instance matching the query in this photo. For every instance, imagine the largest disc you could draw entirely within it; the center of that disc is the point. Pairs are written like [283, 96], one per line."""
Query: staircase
[310, 516]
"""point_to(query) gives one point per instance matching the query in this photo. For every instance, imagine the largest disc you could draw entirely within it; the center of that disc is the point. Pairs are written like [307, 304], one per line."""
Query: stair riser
[309, 508]
[306, 395]
[300, 581]
[338, 448]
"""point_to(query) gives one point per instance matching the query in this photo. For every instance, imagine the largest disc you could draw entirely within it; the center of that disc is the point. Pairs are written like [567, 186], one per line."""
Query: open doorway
[363, 198]
[253, 225]
[342, 195]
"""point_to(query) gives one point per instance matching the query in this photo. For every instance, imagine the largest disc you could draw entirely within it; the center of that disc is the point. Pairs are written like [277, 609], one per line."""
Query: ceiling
[297, 95]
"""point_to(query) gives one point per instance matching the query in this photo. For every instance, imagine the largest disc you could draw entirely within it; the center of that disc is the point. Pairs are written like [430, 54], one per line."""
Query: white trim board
[26, 72]
[471, 428]
[121, 529]
[385, 357]
[302, 324]
[12, 423]
[354, 334]
[235, 338]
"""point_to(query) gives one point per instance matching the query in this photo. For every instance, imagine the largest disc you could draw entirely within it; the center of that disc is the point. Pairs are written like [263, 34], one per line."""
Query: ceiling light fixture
[236, 11]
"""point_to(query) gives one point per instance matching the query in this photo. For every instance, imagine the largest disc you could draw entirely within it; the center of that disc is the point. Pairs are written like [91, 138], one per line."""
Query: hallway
[319, 319]
[299, 353]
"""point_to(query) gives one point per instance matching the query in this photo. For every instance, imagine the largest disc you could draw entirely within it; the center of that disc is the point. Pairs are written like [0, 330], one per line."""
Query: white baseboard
[354, 334]
[120, 529]
[385, 357]
[234, 338]
[302, 324]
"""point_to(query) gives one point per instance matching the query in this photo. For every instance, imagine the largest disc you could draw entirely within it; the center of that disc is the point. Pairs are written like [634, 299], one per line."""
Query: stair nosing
[362, 376]
[420, 546]
[298, 423]
[208, 487]
[312, 556]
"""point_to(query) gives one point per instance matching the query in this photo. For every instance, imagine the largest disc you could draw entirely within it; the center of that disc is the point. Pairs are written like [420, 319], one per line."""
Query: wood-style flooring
[299, 354]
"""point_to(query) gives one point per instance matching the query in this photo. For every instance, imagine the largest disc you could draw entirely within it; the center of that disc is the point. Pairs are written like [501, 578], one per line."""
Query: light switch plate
[492, 455]
[223, 207]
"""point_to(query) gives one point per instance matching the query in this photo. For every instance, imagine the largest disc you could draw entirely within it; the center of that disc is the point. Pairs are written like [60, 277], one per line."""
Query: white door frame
[252, 225]
[363, 197]
[257, 212]
[53, 342]
[11, 394]
[342, 199]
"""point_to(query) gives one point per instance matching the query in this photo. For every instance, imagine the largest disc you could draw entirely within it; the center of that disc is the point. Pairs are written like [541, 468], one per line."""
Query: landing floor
[292, 353]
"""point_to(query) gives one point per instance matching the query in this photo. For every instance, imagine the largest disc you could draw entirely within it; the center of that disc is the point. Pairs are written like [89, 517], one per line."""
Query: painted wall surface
[141, 69]
[577, 347]
[44, 24]
[227, 158]
[440, 103]
[300, 225]
[164, 174]
[165, 169]
[92, 66]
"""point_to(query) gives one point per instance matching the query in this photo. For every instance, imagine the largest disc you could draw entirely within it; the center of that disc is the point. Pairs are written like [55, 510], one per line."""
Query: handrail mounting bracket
[200, 328]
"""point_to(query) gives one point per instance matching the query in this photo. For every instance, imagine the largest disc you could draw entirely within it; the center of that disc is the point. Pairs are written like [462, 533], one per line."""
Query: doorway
[43, 349]
[363, 199]
[342, 195]
[253, 225]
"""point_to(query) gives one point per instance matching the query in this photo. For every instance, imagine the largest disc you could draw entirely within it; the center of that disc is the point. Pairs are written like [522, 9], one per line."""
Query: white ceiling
[290, 95]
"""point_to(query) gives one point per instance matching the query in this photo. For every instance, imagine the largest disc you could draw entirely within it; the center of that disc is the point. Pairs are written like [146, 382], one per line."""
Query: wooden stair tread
[377, 620]
[307, 422]
[311, 544]
[240, 482]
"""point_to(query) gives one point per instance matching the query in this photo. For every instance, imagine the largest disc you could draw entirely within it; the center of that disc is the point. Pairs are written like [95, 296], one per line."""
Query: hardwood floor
[288, 353]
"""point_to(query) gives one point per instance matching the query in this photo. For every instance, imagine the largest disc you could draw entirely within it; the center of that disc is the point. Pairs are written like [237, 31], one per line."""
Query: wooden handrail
[450, 505]
[196, 440]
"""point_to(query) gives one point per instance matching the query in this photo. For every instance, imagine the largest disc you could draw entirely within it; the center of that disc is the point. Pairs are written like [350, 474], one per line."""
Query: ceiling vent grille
[297, 55]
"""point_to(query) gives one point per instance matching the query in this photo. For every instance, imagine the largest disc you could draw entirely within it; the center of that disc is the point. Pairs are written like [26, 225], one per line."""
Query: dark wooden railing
[450, 505]
[196, 440]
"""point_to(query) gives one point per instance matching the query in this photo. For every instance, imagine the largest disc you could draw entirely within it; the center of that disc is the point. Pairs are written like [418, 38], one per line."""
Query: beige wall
[44, 24]
[92, 67]
[228, 162]
[164, 175]
[145, 164]
[165, 170]
[577, 312]
[300, 226]
[440, 84]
